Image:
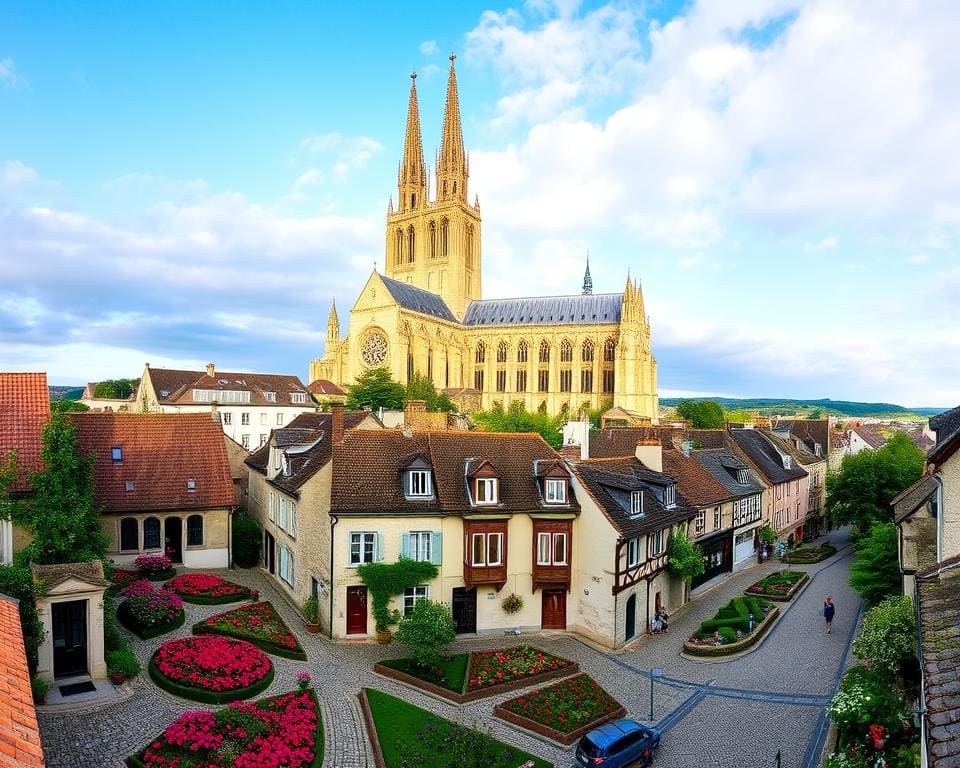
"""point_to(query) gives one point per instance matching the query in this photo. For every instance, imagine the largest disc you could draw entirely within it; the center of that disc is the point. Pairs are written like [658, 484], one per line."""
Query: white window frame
[421, 543]
[280, 419]
[227, 418]
[271, 502]
[636, 502]
[656, 543]
[245, 419]
[298, 397]
[417, 477]
[421, 592]
[489, 494]
[270, 397]
[544, 551]
[670, 496]
[361, 539]
[633, 553]
[263, 419]
[555, 491]
[487, 538]
[292, 510]
[700, 523]
[560, 536]
[286, 570]
[717, 518]
[245, 441]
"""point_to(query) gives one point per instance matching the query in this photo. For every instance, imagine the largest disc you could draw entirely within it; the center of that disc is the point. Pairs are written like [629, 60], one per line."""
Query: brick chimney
[415, 406]
[215, 412]
[336, 419]
[650, 452]
[211, 370]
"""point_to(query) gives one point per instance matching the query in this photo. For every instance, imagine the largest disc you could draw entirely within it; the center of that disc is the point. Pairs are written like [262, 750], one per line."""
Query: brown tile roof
[24, 407]
[622, 441]
[870, 437]
[179, 385]
[324, 387]
[811, 431]
[160, 453]
[57, 573]
[367, 466]
[695, 484]
[20, 745]
[939, 597]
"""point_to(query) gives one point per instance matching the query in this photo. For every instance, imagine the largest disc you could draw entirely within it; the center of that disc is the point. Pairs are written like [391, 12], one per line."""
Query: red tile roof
[694, 482]
[160, 453]
[324, 387]
[24, 407]
[19, 734]
[176, 387]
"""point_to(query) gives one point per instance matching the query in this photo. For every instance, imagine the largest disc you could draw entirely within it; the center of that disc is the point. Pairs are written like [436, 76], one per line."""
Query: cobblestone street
[737, 712]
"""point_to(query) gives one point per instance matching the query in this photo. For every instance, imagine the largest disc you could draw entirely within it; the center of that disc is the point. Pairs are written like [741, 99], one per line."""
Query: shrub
[154, 567]
[727, 634]
[385, 580]
[247, 538]
[887, 637]
[150, 607]
[864, 698]
[40, 688]
[311, 609]
[17, 581]
[123, 662]
[427, 631]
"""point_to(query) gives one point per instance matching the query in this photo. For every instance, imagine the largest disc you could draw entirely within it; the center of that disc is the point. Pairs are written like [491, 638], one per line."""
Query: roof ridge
[579, 296]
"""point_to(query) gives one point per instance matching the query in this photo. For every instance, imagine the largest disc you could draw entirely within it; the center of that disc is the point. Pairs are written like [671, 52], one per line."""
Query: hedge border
[810, 560]
[148, 633]
[136, 760]
[297, 654]
[161, 576]
[559, 737]
[728, 649]
[204, 696]
[784, 597]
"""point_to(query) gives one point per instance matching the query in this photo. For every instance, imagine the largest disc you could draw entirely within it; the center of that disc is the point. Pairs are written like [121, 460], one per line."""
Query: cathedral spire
[412, 180]
[587, 280]
[333, 325]
[452, 166]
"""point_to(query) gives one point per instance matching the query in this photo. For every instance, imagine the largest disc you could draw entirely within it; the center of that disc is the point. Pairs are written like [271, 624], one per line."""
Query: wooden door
[554, 609]
[464, 610]
[69, 638]
[631, 628]
[356, 610]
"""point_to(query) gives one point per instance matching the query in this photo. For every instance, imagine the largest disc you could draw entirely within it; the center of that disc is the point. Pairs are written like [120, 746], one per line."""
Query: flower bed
[780, 586]
[732, 629]
[807, 555]
[155, 567]
[488, 673]
[563, 711]
[280, 730]
[212, 669]
[121, 577]
[257, 623]
[207, 589]
[149, 611]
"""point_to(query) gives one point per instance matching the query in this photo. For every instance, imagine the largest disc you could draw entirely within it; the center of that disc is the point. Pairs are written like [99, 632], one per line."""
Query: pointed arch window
[430, 364]
[481, 353]
[398, 248]
[609, 356]
[566, 351]
[411, 245]
[543, 374]
[444, 237]
[586, 351]
[468, 257]
[544, 352]
[609, 350]
[522, 351]
[433, 239]
[502, 352]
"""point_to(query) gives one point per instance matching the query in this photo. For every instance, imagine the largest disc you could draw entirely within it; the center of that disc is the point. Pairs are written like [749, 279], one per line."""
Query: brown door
[554, 609]
[356, 610]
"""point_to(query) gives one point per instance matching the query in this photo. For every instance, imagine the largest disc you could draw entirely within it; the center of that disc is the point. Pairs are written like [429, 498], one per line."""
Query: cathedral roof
[418, 300]
[537, 310]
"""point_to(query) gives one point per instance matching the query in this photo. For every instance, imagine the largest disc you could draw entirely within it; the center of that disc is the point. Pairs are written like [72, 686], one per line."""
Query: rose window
[374, 350]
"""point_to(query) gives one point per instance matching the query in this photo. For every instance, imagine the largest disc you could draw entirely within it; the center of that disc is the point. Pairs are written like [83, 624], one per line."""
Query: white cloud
[17, 174]
[825, 244]
[345, 153]
[919, 258]
[428, 47]
[9, 75]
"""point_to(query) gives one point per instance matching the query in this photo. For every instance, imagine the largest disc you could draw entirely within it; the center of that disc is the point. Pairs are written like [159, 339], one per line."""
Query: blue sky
[184, 182]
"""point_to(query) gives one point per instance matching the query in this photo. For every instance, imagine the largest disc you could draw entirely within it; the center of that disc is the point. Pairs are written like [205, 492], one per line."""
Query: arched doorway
[631, 628]
[173, 538]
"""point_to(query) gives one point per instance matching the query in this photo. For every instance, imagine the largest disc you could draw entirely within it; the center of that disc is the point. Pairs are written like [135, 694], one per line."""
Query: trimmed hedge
[808, 555]
[202, 694]
[159, 575]
[736, 615]
[727, 649]
[148, 633]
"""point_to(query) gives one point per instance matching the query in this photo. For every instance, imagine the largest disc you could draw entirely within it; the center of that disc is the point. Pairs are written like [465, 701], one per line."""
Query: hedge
[202, 694]
[736, 614]
[148, 633]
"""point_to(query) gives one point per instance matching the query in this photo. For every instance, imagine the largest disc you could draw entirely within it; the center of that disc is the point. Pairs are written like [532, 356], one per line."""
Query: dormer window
[191, 484]
[786, 462]
[419, 483]
[270, 397]
[116, 453]
[636, 503]
[742, 477]
[670, 496]
[298, 397]
[486, 490]
[555, 491]
[817, 450]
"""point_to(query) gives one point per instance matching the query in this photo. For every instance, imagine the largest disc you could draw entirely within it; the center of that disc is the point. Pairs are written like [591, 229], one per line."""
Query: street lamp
[654, 672]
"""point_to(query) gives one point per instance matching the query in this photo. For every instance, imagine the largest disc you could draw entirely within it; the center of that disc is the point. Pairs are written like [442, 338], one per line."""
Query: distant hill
[65, 393]
[810, 408]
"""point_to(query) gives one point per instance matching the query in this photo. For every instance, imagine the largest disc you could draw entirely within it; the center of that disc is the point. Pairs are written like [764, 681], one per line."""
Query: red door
[356, 610]
[554, 609]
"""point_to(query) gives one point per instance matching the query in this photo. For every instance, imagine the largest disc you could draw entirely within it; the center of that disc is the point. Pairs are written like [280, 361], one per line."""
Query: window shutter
[436, 552]
[404, 545]
[378, 547]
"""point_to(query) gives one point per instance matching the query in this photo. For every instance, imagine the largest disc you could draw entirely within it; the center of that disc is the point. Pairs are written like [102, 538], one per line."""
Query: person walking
[828, 610]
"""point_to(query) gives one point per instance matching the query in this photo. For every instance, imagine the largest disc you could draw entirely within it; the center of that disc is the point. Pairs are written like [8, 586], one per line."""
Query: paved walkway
[734, 712]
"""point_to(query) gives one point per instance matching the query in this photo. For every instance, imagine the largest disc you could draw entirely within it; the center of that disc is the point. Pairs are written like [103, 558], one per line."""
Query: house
[249, 404]
[163, 482]
[863, 438]
[325, 392]
[20, 745]
[24, 409]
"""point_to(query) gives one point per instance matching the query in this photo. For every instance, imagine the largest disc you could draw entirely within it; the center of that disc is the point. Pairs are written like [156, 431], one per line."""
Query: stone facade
[212, 553]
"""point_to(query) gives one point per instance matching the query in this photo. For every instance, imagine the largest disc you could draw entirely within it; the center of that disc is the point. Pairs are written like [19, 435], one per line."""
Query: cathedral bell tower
[435, 244]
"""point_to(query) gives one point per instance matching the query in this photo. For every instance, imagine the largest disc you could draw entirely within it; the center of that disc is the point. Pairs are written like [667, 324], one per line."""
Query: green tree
[861, 492]
[247, 537]
[116, 389]
[422, 388]
[17, 581]
[684, 558]
[375, 388]
[875, 571]
[517, 419]
[702, 414]
[888, 636]
[427, 631]
[60, 512]
[64, 405]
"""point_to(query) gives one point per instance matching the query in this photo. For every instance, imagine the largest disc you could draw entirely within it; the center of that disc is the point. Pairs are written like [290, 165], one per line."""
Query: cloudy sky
[181, 184]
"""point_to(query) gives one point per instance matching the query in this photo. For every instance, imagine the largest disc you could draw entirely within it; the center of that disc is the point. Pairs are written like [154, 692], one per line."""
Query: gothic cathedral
[425, 314]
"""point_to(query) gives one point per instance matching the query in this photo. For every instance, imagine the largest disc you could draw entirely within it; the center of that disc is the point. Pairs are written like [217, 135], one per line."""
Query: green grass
[398, 725]
[452, 672]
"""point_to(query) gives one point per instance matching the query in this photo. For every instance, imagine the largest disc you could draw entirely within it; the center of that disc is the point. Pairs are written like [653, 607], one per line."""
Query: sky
[190, 182]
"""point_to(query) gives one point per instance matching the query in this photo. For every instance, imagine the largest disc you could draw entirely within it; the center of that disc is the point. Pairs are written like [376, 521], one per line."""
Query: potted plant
[512, 604]
[384, 620]
[122, 664]
[311, 614]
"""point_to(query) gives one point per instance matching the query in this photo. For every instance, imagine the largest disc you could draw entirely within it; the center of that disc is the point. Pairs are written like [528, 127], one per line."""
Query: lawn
[449, 673]
[410, 736]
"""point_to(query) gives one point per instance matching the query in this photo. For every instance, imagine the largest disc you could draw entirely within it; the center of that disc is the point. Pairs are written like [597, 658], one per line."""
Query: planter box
[780, 597]
[729, 648]
[814, 557]
[560, 737]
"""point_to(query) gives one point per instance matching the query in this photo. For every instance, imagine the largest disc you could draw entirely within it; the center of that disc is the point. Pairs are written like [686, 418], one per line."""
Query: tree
[861, 492]
[702, 414]
[422, 388]
[65, 405]
[875, 571]
[17, 581]
[427, 631]
[116, 389]
[684, 558]
[60, 512]
[888, 636]
[246, 541]
[375, 388]
[517, 419]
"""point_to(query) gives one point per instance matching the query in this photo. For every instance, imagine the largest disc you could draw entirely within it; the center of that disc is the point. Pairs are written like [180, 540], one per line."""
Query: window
[551, 548]
[263, 419]
[286, 565]
[191, 484]
[501, 381]
[789, 490]
[151, 533]
[608, 381]
[486, 490]
[411, 246]
[700, 523]
[271, 501]
[227, 418]
[543, 380]
[544, 352]
[559, 549]
[566, 380]
[487, 549]
[633, 552]
[282, 515]
[263, 439]
[418, 483]
[129, 486]
[670, 496]
[195, 531]
[478, 380]
[292, 528]
[566, 351]
[412, 595]
[742, 477]
[656, 543]
[521, 381]
[556, 491]
[279, 419]
[245, 441]
[129, 534]
[421, 545]
[636, 502]
[586, 351]
[586, 380]
[481, 354]
[298, 397]
[522, 352]
[746, 510]
[716, 518]
[270, 397]
[778, 519]
[116, 453]
[543, 548]
[245, 419]
[363, 548]
[502, 352]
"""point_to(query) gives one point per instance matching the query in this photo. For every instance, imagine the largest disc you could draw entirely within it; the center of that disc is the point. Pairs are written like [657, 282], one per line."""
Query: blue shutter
[404, 545]
[378, 547]
[436, 548]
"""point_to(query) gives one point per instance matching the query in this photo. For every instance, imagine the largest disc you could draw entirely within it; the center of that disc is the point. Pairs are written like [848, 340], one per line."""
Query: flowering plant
[257, 622]
[153, 565]
[204, 587]
[211, 663]
[303, 680]
[489, 668]
[149, 606]
[565, 706]
[121, 577]
[512, 603]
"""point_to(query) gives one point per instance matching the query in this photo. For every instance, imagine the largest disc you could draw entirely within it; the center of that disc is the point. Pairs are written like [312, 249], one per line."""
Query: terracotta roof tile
[324, 387]
[622, 441]
[179, 386]
[160, 453]
[24, 407]
[695, 484]
[20, 745]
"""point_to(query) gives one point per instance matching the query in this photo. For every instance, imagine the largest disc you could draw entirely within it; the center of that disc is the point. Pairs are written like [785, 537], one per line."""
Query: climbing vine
[387, 580]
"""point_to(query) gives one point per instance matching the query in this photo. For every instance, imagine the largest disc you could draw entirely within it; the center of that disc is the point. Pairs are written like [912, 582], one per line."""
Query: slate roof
[811, 431]
[161, 451]
[24, 407]
[694, 483]
[367, 466]
[542, 310]
[179, 385]
[723, 464]
[418, 300]
[708, 438]
[939, 597]
[946, 424]
[870, 437]
[20, 745]
[921, 439]
[610, 482]
[758, 448]
[908, 500]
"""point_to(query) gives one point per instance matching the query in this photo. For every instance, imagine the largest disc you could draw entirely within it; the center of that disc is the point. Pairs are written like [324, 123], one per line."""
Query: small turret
[333, 326]
[587, 280]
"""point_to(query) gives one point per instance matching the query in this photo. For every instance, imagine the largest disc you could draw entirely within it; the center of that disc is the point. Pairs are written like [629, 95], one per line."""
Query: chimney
[336, 419]
[211, 370]
[215, 412]
[415, 406]
[571, 452]
[650, 452]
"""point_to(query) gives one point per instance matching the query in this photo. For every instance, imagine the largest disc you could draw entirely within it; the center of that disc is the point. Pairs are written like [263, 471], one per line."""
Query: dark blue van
[617, 744]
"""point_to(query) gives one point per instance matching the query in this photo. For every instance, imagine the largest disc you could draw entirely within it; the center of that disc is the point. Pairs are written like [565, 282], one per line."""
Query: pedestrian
[828, 611]
[647, 757]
